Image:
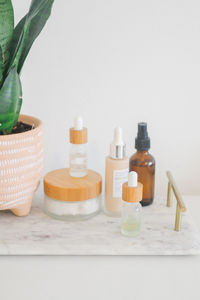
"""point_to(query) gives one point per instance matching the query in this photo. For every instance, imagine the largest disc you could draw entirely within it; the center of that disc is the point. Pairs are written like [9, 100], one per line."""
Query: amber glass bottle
[143, 163]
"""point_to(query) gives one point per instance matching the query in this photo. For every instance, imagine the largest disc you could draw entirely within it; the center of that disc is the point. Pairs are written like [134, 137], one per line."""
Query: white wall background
[118, 63]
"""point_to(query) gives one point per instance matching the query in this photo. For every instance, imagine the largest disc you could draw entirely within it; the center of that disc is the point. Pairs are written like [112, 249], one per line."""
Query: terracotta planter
[21, 165]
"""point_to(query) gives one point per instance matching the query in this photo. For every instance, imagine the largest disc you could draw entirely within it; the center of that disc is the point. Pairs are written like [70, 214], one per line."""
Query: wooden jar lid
[59, 185]
[78, 136]
[131, 194]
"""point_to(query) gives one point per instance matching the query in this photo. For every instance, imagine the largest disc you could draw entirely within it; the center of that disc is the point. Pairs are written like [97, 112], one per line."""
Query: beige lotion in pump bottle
[117, 167]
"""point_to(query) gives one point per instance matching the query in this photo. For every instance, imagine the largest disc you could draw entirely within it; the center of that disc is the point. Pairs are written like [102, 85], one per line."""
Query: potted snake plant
[21, 136]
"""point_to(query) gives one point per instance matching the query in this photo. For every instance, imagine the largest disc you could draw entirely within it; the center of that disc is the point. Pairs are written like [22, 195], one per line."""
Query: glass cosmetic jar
[68, 198]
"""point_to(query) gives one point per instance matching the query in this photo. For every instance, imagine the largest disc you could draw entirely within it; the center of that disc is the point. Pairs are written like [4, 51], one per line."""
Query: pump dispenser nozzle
[118, 147]
[142, 141]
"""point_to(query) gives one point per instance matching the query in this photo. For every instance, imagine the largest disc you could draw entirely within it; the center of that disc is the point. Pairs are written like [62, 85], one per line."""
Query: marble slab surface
[38, 234]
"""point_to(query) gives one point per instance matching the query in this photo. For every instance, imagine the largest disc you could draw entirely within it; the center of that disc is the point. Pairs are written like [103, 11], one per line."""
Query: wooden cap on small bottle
[78, 136]
[59, 185]
[132, 194]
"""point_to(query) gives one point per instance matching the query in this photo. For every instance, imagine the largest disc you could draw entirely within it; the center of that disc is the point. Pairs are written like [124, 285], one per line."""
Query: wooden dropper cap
[78, 133]
[132, 190]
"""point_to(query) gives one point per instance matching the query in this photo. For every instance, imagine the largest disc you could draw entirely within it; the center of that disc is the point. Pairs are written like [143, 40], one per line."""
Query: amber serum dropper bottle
[143, 163]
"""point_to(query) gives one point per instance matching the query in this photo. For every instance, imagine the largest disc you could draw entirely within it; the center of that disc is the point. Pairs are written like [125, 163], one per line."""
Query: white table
[125, 277]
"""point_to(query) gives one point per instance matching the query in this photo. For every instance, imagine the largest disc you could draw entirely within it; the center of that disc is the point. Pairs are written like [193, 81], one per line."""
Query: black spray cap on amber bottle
[142, 141]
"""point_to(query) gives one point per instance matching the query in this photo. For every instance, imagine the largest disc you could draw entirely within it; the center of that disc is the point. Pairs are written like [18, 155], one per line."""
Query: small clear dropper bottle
[131, 207]
[78, 150]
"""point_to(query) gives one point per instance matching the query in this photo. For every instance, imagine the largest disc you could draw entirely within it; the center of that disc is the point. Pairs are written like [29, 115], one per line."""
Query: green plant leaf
[10, 101]
[1, 65]
[6, 27]
[27, 31]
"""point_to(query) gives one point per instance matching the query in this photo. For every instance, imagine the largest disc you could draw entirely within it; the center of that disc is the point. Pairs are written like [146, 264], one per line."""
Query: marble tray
[38, 234]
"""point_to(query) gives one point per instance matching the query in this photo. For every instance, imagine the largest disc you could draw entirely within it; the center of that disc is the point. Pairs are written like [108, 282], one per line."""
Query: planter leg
[23, 209]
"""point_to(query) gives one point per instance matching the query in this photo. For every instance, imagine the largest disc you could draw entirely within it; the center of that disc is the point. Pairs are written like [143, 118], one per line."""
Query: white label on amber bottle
[119, 177]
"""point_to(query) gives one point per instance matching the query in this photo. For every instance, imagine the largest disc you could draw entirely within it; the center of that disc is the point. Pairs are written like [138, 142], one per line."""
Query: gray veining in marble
[38, 234]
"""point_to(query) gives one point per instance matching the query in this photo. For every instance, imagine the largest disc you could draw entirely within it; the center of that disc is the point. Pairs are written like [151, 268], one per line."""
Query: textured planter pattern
[21, 165]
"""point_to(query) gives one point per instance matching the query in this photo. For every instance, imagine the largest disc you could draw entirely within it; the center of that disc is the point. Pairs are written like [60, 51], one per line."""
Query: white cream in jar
[69, 198]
